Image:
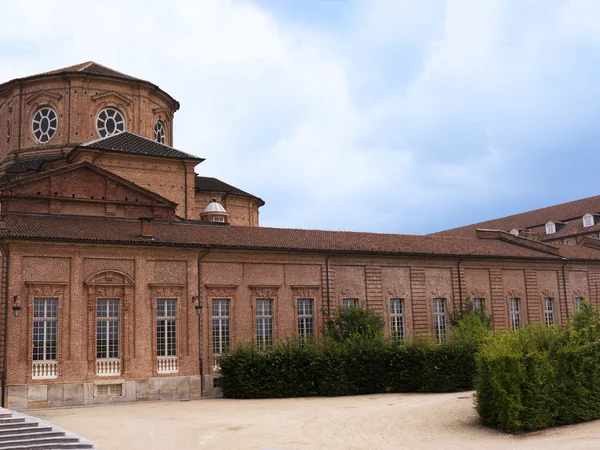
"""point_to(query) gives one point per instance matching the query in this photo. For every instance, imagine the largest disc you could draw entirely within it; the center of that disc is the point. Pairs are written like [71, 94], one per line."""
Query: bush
[348, 323]
[353, 359]
[538, 377]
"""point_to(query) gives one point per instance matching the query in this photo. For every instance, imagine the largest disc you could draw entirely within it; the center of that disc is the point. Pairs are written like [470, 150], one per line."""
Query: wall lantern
[16, 308]
[197, 305]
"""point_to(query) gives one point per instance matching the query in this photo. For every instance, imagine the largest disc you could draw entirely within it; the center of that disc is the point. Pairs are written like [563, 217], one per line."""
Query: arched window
[110, 121]
[44, 124]
[159, 132]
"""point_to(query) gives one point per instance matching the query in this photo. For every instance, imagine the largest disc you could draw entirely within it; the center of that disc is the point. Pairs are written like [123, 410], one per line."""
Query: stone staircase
[19, 431]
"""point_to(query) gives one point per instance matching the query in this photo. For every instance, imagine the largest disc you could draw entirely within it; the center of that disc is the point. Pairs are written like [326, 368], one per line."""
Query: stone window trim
[440, 323]
[484, 296]
[399, 315]
[218, 291]
[160, 132]
[117, 285]
[258, 292]
[550, 293]
[578, 297]
[46, 112]
[171, 291]
[44, 289]
[523, 311]
[308, 292]
[110, 121]
[402, 294]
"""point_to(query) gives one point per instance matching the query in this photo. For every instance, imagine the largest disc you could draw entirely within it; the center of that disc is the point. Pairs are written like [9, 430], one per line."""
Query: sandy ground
[387, 421]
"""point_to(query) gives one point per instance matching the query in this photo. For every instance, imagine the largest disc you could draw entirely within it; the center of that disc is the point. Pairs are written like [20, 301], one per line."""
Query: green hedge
[352, 367]
[539, 377]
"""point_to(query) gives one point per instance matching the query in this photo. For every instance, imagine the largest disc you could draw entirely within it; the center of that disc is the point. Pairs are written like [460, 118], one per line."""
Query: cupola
[214, 212]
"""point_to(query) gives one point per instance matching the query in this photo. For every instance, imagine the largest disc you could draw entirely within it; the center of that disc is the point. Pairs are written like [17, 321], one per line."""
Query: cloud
[401, 116]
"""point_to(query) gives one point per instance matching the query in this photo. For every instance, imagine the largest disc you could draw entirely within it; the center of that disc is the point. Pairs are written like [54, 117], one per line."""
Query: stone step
[22, 423]
[28, 441]
[11, 419]
[33, 446]
[31, 434]
[12, 431]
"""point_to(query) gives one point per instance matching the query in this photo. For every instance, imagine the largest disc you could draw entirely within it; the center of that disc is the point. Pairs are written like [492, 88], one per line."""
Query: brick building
[125, 273]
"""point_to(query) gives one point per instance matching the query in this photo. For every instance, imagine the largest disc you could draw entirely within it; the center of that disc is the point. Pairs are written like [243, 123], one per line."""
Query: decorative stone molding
[349, 293]
[45, 289]
[436, 293]
[160, 290]
[514, 293]
[579, 293]
[476, 293]
[109, 284]
[112, 96]
[221, 290]
[548, 293]
[394, 293]
[43, 98]
[305, 291]
[266, 291]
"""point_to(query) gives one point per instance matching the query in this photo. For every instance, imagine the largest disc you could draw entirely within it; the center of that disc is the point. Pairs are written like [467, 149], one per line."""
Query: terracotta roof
[573, 228]
[125, 231]
[127, 142]
[91, 68]
[27, 165]
[210, 184]
[563, 212]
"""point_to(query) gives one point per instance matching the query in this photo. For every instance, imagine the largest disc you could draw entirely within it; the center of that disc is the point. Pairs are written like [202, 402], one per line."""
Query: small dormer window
[219, 219]
[550, 228]
[514, 232]
[588, 220]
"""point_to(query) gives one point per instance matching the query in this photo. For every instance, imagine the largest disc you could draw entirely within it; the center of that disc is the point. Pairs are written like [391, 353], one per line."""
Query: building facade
[125, 274]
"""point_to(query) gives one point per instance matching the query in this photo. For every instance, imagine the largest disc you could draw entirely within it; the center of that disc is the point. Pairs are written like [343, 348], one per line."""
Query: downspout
[185, 192]
[460, 296]
[565, 290]
[5, 350]
[327, 284]
[20, 116]
[69, 113]
[200, 362]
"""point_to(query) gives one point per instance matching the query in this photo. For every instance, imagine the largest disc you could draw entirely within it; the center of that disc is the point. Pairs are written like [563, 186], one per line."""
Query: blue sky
[367, 115]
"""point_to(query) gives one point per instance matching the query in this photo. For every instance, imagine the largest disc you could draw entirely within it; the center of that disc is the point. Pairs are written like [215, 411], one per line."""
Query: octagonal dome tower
[49, 114]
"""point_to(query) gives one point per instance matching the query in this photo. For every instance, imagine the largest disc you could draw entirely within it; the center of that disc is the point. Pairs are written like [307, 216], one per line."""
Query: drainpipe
[185, 193]
[565, 290]
[327, 283]
[5, 350]
[200, 362]
[460, 296]
[20, 116]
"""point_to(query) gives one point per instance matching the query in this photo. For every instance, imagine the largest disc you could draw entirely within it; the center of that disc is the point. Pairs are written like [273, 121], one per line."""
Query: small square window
[217, 382]
[220, 219]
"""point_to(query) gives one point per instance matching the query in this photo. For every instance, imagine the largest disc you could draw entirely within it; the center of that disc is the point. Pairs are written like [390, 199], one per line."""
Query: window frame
[51, 133]
[303, 319]
[515, 314]
[108, 319]
[99, 129]
[168, 347]
[440, 320]
[481, 307]
[45, 320]
[398, 319]
[221, 319]
[264, 335]
[346, 300]
[549, 315]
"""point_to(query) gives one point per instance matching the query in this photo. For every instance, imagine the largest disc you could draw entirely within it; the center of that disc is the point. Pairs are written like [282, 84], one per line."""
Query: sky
[393, 116]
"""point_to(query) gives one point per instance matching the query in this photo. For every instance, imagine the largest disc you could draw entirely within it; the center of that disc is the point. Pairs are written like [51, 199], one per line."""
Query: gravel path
[387, 421]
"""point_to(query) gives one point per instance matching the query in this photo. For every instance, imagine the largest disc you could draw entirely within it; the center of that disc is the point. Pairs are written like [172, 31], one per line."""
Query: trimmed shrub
[539, 377]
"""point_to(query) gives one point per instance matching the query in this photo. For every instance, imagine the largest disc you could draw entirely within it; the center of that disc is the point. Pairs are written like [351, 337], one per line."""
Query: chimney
[146, 228]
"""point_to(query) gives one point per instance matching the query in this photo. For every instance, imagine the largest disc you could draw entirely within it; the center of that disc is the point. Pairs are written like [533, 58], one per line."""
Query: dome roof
[214, 207]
